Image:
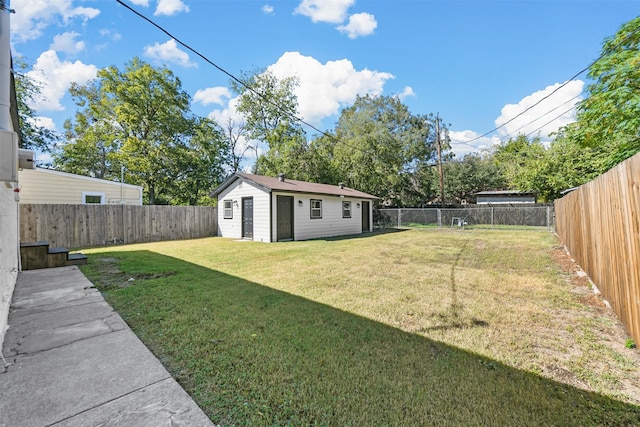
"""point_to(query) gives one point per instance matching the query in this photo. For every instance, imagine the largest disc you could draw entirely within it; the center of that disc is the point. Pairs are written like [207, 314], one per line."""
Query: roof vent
[341, 185]
[281, 177]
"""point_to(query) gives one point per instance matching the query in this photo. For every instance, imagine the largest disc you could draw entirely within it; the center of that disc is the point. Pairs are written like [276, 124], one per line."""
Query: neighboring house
[268, 209]
[55, 187]
[505, 197]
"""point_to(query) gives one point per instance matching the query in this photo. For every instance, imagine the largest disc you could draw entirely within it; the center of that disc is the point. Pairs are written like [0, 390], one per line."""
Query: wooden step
[36, 255]
[57, 257]
[33, 255]
[76, 259]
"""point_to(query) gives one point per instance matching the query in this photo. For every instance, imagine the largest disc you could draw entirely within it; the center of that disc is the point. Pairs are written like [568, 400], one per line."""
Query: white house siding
[331, 224]
[47, 186]
[8, 252]
[233, 227]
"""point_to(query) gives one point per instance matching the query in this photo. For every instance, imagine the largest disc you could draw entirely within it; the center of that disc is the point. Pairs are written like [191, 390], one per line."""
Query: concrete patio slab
[74, 361]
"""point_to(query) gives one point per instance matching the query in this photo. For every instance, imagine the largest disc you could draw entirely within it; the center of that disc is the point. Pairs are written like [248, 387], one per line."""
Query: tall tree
[381, 146]
[522, 161]
[34, 136]
[270, 107]
[471, 174]
[139, 119]
[610, 114]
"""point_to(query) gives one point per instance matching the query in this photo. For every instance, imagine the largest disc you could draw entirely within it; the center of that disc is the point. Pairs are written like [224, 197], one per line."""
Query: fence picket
[79, 226]
[599, 223]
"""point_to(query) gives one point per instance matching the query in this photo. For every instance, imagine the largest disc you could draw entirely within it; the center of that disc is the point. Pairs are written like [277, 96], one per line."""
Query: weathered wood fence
[79, 226]
[599, 223]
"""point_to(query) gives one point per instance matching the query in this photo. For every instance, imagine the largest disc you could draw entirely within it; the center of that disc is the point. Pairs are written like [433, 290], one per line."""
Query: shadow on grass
[252, 355]
[364, 235]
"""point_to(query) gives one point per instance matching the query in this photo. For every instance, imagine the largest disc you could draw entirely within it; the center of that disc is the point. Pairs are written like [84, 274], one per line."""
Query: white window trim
[93, 193]
[345, 203]
[224, 209]
[312, 209]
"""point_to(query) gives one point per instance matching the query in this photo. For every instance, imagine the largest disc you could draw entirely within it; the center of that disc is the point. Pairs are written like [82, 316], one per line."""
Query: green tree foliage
[610, 114]
[522, 162]
[528, 166]
[381, 148]
[139, 119]
[34, 137]
[270, 107]
[469, 175]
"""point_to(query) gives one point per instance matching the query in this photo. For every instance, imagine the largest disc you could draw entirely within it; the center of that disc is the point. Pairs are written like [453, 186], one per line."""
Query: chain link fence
[472, 216]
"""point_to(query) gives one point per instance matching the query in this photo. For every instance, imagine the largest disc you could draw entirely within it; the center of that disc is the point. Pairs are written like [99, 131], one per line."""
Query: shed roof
[506, 193]
[270, 183]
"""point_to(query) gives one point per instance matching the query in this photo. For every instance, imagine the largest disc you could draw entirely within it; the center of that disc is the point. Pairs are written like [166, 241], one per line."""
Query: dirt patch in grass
[110, 274]
[599, 328]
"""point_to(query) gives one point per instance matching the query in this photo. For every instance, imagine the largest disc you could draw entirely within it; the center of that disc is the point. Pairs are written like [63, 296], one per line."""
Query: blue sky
[477, 63]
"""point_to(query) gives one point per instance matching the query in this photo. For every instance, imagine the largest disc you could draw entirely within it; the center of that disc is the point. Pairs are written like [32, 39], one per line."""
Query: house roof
[292, 186]
[506, 193]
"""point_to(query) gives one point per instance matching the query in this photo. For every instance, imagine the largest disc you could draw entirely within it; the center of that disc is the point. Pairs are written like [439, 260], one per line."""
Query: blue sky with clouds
[476, 63]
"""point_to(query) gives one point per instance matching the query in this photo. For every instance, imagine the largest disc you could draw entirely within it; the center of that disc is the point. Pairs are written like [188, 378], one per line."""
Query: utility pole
[439, 147]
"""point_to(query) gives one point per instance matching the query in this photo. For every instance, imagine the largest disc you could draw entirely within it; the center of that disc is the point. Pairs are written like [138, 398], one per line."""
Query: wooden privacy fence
[79, 226]
[599, 223]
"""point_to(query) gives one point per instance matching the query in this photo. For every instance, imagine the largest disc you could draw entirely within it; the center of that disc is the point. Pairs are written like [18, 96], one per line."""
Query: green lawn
[415, 327]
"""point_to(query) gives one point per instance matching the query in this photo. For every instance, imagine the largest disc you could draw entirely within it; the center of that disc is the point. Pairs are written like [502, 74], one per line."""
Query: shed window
[346, 209]
[90, 198]
[316, 209]
[228, 209]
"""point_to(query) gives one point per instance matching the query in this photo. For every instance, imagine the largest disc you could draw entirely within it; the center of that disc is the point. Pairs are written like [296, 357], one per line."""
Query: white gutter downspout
[5, 67]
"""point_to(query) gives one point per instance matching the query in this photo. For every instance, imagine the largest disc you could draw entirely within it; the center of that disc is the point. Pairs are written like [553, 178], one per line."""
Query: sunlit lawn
[416, 327]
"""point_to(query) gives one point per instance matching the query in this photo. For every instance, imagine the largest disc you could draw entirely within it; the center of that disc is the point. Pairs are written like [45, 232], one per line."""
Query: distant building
[268, 209]
[55, 187]
[505, 197]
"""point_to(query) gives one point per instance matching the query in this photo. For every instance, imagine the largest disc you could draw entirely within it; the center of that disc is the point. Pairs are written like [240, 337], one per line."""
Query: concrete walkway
[74, 362]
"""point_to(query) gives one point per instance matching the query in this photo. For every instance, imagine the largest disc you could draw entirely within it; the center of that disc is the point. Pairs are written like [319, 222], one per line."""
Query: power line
[558, 88]
[243, 84]
[548, 112]
[550, 121]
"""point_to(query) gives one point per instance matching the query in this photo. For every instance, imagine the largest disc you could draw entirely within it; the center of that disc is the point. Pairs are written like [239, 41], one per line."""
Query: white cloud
[55, 77]
[324, 88]
[44, 122]
[460, 147]
[406, 93]
[113, 35]
[169, 52]
[212, 95]
[331, 11]
[66, 42]
[32, 17]
[546, 117]
[268, 9]
[144, 3]
[170, 7]
[360, 24]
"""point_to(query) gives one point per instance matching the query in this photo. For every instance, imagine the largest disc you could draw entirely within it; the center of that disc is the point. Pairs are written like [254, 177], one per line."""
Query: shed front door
[365, 216]
[285, 218]
[247, 217]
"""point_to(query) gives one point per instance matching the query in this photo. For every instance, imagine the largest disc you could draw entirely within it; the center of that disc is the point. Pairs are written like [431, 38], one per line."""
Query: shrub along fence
[78, 226]
[599, 223]
[475, 215]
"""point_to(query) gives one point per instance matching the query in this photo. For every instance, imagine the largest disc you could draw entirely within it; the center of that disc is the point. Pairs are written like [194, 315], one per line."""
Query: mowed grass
[416, 327]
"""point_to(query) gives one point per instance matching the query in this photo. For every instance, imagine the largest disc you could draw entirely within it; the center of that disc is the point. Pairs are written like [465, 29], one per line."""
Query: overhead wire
[242, 83]
[602, 55]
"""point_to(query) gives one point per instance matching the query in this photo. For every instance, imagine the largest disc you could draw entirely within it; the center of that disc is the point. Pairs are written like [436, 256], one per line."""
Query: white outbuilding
[268, 209]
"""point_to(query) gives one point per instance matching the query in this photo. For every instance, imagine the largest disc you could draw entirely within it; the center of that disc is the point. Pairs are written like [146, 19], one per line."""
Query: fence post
[399, 217]
[491, 216]
[549, 218]
[439, 217]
